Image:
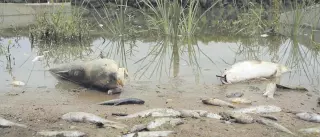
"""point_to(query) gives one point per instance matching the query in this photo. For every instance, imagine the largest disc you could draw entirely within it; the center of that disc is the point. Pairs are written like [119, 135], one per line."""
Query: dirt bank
[40, 108]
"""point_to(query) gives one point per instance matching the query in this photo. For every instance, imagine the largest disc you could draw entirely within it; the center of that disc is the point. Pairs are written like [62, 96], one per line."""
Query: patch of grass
[60, 26]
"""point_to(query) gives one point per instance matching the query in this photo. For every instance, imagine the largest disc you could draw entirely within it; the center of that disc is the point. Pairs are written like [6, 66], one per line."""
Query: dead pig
[102, 74]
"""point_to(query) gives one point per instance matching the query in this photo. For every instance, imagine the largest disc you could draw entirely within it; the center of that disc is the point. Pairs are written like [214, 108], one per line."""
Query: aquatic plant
[60, 26]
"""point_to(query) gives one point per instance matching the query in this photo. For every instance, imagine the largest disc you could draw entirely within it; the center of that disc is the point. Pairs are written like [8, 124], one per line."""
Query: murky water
[159, 61]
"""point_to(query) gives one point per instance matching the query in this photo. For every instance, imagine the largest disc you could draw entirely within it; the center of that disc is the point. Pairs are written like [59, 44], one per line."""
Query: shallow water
[209, 59]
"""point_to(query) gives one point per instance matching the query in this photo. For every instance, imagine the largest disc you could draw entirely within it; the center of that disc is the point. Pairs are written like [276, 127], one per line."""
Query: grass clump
[60, 26]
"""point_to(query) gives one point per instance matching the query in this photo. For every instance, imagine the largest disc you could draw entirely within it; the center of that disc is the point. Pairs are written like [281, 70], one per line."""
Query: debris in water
[62, 133]
[91, 118]
[259, 109]
[309, 116]
[274, 124]
[313, 130]
[37, 58]
[217, 102]
[17, 83]
[103, 74]
[6, 123]
[240, 100]
[252, 69]
[122, 101]
[270, 89]
[149, 134]
[264, 35]
[234, 95]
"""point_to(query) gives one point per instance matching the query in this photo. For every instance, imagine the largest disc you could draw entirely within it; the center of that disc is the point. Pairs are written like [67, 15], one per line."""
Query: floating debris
[156, 112]
[309, 116]
[259, 109]
[264, 35]
[313, 130]
[240, 100]
[274, 124]
[122, 101]
[234, 95]
[17, 83]
[37, 58]
[103, 74]
[6, 123]
[91, 118]
[252, 69]
[149, 134]
[62, 133]
[270, 89]
[217, 102]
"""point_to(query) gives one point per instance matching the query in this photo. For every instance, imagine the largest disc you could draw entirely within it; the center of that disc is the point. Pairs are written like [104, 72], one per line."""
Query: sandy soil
[40, 109]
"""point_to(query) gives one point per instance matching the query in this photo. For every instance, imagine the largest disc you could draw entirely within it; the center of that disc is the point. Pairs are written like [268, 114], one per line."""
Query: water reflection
[191, 59]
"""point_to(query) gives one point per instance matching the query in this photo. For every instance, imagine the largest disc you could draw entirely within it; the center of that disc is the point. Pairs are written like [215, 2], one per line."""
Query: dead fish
[119, 114]
[238, 117]
[213, 115]
[160, 121]
[252, 69]
[193, 113]
[269, 117]
[156, 112]
[138, 128]
[217, 102]
[6, 123]
[122, 101]
[149, 134]
[88, 117]
[313, 130]
[62, 133]
[234, 94]
[270, 89]
[103, 74]
[293, 88]
[274, 124]
[240, 100]
[309, 116]
[259, 109]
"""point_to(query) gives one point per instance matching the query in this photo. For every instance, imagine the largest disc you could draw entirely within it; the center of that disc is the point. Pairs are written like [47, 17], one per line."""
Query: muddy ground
[40, 108]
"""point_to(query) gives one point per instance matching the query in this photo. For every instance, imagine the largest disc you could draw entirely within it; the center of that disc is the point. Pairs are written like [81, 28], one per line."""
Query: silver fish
[149, 134]
[274, 124]
[88, 117]
[62, 133]
[313, 130]
[156, 112]
[240, 100]
[259, 109]
[217, 102]
[238, 117]
[308, 116]
[6, 123]
[160, 121]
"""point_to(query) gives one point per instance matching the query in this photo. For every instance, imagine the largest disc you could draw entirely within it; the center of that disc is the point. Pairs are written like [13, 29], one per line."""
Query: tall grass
[59, 25]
